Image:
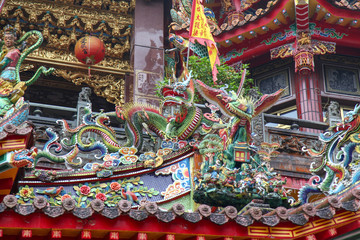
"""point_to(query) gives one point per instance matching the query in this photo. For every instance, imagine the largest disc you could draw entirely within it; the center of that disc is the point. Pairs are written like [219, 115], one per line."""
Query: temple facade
[142, 146]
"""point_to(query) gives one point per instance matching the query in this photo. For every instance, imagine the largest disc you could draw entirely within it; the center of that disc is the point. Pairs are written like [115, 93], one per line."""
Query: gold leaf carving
[70, 10]
[108, 87]
[63, 22]
[69, 57]
[25, 67]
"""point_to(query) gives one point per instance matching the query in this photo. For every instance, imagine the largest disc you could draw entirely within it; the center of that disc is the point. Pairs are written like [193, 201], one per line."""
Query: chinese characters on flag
[200, 31]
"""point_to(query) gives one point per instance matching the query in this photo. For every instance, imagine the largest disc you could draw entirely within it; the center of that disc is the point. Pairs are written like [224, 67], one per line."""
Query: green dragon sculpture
[74, 140]
[184, 124]
[40, 70]
[240, 109]
[136, 116]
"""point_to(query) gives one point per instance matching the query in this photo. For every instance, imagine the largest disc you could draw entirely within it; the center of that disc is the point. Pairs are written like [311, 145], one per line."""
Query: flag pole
[188, 55]
[200, 31]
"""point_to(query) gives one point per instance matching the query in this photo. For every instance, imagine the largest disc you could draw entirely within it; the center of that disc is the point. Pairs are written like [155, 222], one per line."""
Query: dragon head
[229, 102]
[178, 41]
[351, 121]
[180, 93]
[352, 115]
[350, 125]
[23, 157]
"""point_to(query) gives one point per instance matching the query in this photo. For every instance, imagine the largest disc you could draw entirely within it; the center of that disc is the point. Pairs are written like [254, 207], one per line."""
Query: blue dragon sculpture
[339, 165]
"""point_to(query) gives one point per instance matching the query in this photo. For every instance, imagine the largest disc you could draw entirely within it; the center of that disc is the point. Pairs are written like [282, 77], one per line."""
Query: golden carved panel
[71, 23]
[51, 55]
[108, 87]
[72, 10]
[63, 22]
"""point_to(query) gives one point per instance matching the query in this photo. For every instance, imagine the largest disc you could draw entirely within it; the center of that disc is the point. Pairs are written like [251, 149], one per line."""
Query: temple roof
[267, 24]
[312, 218]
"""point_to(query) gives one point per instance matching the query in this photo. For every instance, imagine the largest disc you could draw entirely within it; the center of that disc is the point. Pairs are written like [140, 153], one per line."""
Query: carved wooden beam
[108, 87]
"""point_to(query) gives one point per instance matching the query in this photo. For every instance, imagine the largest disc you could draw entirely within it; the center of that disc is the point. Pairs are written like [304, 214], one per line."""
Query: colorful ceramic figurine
[233, 172]
[12, 55]
[13, 109]
[9, 58]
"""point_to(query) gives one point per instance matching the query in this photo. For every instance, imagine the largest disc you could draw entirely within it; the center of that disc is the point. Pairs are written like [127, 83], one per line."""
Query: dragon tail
[41, 70]
[68, 158]
[306, 192]
[26, 53]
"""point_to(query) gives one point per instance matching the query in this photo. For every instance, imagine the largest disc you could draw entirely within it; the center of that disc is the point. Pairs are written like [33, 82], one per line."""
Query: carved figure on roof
[85, 94]
[75, 140]
[12, 55]
[239, 108]
[334, 109]
[9, 58]
[13, 109]
[232, 171]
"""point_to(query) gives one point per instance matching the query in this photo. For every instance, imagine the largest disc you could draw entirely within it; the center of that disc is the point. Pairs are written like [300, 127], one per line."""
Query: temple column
[148, 50]
[308, 98]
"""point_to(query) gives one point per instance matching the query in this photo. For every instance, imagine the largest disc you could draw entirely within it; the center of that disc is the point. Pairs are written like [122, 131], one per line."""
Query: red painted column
[308, 99]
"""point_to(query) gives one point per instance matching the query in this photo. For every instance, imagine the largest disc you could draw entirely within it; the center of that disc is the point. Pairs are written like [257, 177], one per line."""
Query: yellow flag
[200, 31]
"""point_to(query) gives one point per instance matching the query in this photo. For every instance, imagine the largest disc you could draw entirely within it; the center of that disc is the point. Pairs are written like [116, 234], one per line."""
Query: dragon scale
[157, 123]
[107, 136]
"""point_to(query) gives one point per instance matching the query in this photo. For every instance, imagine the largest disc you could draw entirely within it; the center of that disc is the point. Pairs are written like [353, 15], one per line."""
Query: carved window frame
[288, 91]
[326, 67]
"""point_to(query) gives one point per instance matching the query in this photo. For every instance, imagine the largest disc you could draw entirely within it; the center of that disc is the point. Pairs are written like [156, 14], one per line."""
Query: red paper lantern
[89, 50]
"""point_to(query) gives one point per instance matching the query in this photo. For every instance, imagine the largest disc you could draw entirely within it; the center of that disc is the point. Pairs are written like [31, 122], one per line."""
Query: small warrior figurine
[12, 55]
[10, 92]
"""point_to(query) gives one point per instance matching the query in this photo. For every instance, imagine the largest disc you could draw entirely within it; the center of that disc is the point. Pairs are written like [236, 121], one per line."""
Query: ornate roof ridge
[326, 208]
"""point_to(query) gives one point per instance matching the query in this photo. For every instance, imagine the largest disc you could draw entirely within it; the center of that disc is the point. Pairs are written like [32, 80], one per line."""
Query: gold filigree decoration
[72, 22]
[69, 10]
[92, 3]
[58, 43]
[118, 50]
[25, 67]
[108, 87]
[303, 39]
[59, 55]
[63, 19]
[65, 1]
